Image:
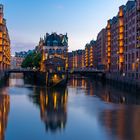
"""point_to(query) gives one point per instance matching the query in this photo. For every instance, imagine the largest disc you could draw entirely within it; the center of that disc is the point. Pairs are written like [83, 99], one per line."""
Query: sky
[28, 20]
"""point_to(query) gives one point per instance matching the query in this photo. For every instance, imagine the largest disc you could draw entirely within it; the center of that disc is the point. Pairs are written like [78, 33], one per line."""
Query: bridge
[87, 71]
[100, 74]
[30, 71]
[51, 78]
[20, 71]
[43, 78]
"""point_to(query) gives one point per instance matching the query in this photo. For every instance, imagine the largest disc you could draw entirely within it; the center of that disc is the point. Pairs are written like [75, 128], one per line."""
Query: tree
[32, 60]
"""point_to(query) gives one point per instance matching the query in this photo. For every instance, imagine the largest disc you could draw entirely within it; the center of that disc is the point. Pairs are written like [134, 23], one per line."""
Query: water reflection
[120, 120]
[4, 111]
[53, 107]
[122, 123]
[16, 79]
[105, 92]
[93, 111]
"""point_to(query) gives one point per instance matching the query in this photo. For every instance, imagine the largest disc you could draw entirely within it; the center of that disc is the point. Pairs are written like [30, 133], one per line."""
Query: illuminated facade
[76, 59]
[51, 46]
[83, 58]
[90, 54]
[4, 43]
[117, 46]
[122, 42]
[87, 51]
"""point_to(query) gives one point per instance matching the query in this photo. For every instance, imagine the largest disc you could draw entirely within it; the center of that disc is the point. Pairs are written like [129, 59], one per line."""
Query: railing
[88, 70]
[21, 70]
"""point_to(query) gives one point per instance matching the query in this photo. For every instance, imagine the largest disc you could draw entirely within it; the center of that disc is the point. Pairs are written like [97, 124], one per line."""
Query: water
[85, 109]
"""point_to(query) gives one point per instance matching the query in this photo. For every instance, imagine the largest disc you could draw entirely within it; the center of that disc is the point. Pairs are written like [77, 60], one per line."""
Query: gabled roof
[56, 40]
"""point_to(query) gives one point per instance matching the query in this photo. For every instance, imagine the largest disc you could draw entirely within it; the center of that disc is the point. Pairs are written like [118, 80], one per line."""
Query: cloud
[21, 46]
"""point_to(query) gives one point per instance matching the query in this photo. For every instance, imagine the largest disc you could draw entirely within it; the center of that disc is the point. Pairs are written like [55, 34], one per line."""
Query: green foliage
[32, 60]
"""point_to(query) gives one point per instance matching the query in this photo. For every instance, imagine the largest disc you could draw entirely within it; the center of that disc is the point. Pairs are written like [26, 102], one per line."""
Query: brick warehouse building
[76, 59]
[117, 48]
[90, 55]
[101, 49]
[122, 42]
[4, 42]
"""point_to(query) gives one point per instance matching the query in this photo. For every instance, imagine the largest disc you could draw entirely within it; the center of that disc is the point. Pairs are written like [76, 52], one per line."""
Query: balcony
[109, 54]
[121, 23]
[108, 61]
[121, 59]
[1, 49]
[109, 39]
[109, 44]
[0, 57]
[121, 50]
[108, 34]
[121, 30]
[108, 49]
[121, 37]
[121, 43]
[0, 34]
[1, 41]
[121, 12]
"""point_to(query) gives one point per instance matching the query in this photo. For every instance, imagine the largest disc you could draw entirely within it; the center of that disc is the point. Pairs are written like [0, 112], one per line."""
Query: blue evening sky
[28, 20]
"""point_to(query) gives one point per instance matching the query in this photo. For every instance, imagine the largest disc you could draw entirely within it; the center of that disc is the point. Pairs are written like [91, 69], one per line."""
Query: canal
[84, 109]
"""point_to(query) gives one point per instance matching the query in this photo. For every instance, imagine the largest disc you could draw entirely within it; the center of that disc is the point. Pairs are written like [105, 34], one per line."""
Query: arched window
[55, 43]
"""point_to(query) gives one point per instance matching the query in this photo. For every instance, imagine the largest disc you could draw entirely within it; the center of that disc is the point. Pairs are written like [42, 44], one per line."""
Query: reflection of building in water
[4, 110]
[83, 83]
[78, 82]
[123, 124]
[104, 91]
[115, 95]
[16, 79]
[107, 96]
[16, 76]
[53, 108]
